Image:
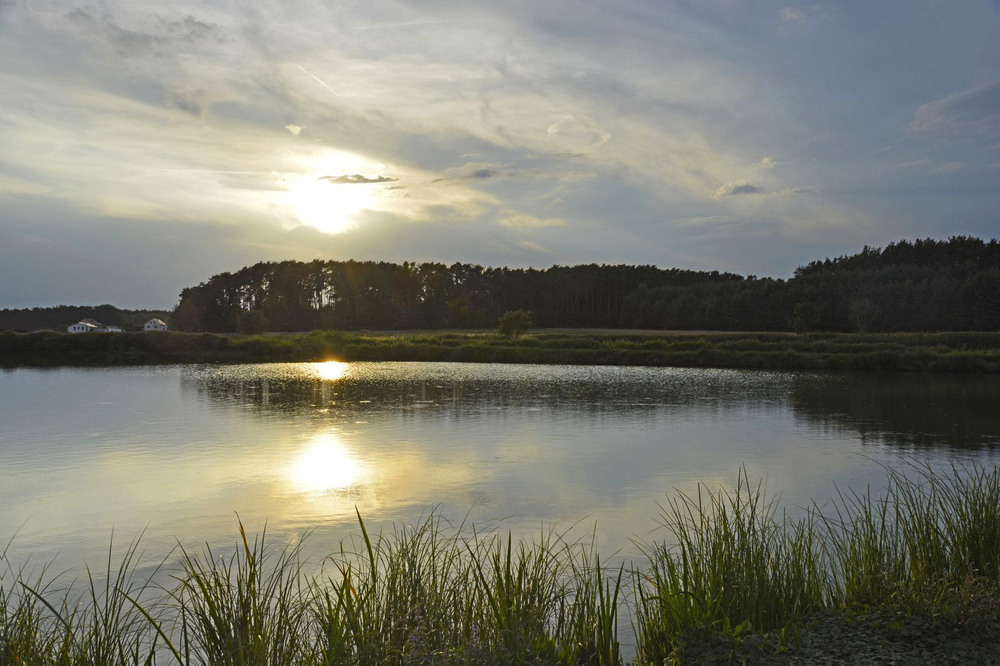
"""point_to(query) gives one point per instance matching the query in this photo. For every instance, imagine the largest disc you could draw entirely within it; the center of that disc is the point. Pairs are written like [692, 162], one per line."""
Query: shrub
[514, 323]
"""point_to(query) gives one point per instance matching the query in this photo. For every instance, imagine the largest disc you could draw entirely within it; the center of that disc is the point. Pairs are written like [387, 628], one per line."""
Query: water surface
[179, 451]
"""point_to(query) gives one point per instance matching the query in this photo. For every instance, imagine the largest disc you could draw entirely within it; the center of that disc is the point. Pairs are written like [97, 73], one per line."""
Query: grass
[734, 565]
[734, 579]
[953, 352]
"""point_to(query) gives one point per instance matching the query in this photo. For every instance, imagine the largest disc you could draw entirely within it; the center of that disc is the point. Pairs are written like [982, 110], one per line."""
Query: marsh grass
[732, 563]
[424, 595]
[956, 352]
[248, 608]
[931, 540]
[102, 623]
[731, 567]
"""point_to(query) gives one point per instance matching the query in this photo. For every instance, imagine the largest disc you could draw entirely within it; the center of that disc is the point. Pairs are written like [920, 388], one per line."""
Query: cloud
[188, 103]
[519, 220]
[528, 116]
[356, 179]
[792, 15]
[475, 171]
[189, 29]
[975, 109]
[732, 189]
[534, 247]
[913, 164]
[577, 134]
[13, 185]
[948, 167]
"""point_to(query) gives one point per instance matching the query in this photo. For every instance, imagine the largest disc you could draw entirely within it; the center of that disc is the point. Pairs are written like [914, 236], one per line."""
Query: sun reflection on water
[326, 465]
[330, 370]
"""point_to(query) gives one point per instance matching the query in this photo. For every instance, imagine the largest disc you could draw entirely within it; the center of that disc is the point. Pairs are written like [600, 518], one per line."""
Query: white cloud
[294, 129]
[766, 163]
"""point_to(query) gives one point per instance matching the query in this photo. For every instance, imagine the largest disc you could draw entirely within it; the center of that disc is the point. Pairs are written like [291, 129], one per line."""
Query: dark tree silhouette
[923, 285]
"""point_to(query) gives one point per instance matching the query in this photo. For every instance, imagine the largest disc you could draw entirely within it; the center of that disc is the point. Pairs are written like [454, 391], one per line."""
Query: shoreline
[914, 352]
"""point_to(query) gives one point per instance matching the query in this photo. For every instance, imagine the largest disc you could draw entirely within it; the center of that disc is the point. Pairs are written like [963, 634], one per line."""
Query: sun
[328, 206]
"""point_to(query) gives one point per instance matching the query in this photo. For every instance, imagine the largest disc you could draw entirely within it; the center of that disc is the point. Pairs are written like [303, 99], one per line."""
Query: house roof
[157, 321]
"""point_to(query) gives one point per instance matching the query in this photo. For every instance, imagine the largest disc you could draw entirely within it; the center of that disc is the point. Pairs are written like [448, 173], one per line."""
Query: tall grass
[424, 596]
[929, 538]
[100, 624]
[731, 563]
[249, 608]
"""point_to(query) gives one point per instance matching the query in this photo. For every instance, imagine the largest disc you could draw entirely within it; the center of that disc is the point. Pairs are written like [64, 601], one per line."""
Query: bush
[514, 323]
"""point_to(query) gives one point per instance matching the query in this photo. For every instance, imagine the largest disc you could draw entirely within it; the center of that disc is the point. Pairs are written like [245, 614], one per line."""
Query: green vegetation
[953, 352]
[805, 317]
[924, 285]
[514, 323]
[61, 316]
[913, 575]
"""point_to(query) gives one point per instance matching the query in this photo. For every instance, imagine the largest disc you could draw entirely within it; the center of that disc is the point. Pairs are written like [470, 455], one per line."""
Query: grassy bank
[950, 352]
[913, 575]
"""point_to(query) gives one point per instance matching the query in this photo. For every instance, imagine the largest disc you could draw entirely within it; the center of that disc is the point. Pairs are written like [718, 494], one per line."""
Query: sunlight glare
[329, 207]
[326, 465]
[330, 371]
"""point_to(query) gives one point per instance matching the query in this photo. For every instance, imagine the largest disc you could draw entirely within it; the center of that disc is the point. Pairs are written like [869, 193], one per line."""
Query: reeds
[730, 564]
[954, 352]
[929, 539]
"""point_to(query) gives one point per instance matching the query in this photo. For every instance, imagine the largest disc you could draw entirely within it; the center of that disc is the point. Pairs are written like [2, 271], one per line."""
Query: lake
[176, 452]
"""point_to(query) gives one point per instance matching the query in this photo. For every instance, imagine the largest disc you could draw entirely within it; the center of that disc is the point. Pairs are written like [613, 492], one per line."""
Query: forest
[34, 319]
[921, 285]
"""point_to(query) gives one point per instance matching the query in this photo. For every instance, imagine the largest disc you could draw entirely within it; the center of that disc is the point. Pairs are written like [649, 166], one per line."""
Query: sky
[146, 146]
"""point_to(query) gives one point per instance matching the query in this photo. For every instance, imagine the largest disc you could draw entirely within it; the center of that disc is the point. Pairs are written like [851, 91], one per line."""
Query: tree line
[923, 285]
[60, 316]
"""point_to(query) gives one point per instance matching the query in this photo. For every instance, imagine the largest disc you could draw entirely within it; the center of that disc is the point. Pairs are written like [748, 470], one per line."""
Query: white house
[110, 329]
[82, 327]
[155, 325]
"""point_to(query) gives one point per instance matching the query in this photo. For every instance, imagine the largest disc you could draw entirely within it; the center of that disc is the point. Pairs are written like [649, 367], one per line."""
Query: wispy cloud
[356, 179]
[594, 133]
[975, 109]
[792, 15]
[520, 220]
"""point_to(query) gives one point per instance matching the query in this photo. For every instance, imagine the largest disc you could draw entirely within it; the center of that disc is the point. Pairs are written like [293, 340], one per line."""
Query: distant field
[941, 352]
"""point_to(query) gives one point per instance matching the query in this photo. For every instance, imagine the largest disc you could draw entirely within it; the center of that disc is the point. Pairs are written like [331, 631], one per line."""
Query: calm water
[178, 451]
